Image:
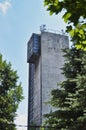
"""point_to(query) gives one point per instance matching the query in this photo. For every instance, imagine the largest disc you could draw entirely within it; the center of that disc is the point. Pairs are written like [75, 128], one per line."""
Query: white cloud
[4, 6]
[21, 122]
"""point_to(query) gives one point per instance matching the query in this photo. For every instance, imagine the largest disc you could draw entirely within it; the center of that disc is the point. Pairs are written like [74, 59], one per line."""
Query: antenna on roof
[62, 31]
[43, 28]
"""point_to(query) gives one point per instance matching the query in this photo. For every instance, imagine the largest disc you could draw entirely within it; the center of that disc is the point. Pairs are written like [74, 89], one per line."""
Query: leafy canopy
[74, 16]
[69, 100]
[10, 95]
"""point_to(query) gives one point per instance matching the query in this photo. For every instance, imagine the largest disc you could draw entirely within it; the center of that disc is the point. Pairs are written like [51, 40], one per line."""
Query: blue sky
[18, 20]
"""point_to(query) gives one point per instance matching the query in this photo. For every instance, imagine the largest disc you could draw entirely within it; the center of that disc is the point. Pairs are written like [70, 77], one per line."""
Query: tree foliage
[10, 95]
[70, 98]
[74, 16]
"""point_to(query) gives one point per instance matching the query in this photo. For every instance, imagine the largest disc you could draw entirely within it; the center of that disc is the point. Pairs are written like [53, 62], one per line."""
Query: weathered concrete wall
[52, 60]
[37, 94]
[47, 74]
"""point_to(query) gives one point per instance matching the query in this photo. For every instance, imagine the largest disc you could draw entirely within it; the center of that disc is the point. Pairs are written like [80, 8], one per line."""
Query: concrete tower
[45, 58]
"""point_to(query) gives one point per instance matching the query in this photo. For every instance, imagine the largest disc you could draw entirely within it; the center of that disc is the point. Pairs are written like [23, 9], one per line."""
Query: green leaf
[66, 16]
[71, 32]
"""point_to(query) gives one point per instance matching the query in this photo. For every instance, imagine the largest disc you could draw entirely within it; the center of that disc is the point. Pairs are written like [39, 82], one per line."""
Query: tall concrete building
[45, 58]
